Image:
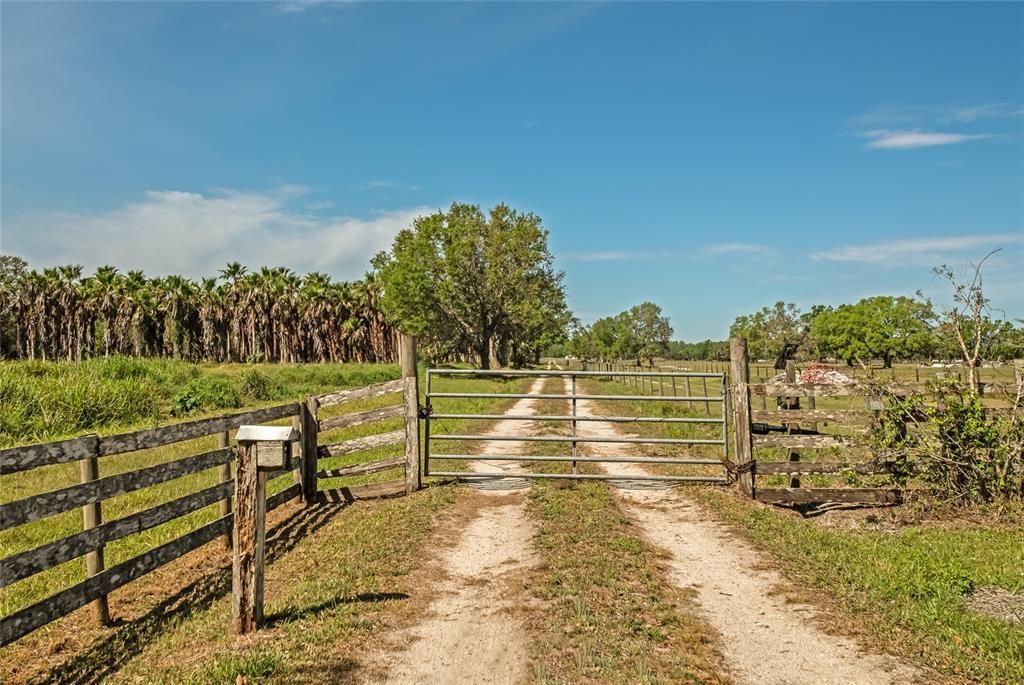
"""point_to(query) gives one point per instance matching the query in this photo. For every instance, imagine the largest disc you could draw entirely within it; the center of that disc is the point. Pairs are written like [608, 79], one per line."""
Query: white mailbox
[273, 445]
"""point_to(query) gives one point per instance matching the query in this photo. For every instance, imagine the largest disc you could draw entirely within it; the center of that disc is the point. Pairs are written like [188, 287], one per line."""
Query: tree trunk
[886, 361]
[484, 350]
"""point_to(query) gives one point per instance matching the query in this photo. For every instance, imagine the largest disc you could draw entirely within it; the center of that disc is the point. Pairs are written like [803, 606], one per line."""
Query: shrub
[967, 453]
[260, 386]
[205, 393]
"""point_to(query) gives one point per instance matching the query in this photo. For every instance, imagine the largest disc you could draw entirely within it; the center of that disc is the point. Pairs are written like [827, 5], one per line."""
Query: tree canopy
[768, 328]
[483, 283]
[884, 327]
[641, 332]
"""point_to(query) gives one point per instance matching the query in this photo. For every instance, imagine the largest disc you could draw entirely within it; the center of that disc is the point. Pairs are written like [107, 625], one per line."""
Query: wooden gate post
[310, 447]
[740, 372]
[792, 403]
[250, 540]
[411, 395]
[92, 516]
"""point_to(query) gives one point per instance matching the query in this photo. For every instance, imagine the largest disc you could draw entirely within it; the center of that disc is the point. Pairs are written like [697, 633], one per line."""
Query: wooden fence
[93, 490]
[795, 423]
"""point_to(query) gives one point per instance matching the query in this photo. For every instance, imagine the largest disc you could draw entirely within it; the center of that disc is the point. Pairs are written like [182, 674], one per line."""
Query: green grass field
[60, 384]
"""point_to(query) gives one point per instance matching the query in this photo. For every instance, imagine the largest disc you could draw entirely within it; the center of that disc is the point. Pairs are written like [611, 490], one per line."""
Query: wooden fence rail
[791, 437]
[94, 490]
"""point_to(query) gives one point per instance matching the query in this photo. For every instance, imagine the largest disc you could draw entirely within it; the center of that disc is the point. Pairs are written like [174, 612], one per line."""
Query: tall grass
[42, 401]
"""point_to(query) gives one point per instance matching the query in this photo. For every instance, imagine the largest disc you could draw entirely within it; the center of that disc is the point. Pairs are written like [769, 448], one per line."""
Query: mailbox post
[261, 449]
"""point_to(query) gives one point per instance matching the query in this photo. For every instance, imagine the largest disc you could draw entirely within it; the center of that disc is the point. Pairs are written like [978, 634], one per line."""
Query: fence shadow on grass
[294, 613]
[106, 656]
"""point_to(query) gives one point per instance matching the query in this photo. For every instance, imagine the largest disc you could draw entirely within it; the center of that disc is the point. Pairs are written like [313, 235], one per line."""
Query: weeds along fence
[834, 424]
[345, 460]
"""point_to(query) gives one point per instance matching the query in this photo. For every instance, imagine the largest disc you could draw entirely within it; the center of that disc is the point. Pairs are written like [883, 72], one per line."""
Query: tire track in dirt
[473, 631]
[766, 639]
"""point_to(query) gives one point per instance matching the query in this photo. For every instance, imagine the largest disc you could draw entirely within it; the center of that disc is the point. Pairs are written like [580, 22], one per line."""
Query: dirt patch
[999, 603]
[474, 630]
[765, 638]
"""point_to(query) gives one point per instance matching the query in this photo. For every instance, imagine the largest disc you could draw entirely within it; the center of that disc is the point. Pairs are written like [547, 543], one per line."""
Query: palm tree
[270, 314]
[103, 293]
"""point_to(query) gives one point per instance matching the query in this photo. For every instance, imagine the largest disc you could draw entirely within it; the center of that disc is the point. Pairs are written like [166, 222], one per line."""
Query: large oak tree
[469, 280]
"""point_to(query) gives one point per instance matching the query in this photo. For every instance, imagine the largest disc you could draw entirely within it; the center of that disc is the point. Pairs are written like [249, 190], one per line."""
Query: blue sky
[712, 158]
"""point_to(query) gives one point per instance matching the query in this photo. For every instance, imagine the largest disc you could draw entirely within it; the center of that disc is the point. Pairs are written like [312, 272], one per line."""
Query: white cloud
[919, 250]
[614, 255]
[195, 234]
[298, 6]
[739, 248]
[988, 110]
[385, 184]
[889, 139]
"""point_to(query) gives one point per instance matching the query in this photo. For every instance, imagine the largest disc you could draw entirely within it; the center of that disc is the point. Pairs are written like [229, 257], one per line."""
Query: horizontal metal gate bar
[578, 438]
[470, 475]
[526, 395]
[565, 374]
[570, 458]
[607, 419]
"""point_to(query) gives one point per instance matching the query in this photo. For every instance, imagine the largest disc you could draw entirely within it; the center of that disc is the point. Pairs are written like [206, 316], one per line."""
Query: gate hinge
[424, 411]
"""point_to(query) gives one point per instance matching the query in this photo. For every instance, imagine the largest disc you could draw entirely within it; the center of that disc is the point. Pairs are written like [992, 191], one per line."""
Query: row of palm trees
[266, 315]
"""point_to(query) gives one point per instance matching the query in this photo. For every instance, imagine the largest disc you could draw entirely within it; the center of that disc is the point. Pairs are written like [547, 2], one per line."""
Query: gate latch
[424, 411]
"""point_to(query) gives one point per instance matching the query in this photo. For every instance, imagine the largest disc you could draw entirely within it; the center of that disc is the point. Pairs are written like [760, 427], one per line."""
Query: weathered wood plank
[39, 614]
[811, 415]
[360, 393]
[92, 516]
[388, 488]
[165, 435]
[33, 561]
[339, 449]
[347, 420]
[250, 531]
[812, 495]
[411, 397]
[807, 441]
[224, 476]
[15, 459]
[771, 468]
[740, 394]
[310, 452]
[363, 469]
[50, 503]
[829, 390]
[279, 498]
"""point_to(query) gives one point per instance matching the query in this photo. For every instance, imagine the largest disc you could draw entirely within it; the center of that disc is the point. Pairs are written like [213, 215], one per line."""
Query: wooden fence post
[740, 372]
[792, 403]
[299, 472]
[92, 516]
[310, 447]
[411, 393]
[223, 476]
[250, 540]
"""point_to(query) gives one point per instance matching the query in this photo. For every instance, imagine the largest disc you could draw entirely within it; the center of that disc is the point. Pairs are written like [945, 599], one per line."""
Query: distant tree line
[473, 287]
[882, 328]
[270, 314]
[641, 333]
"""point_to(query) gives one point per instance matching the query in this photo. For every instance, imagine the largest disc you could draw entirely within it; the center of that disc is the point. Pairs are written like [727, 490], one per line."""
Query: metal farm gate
[699, 444]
